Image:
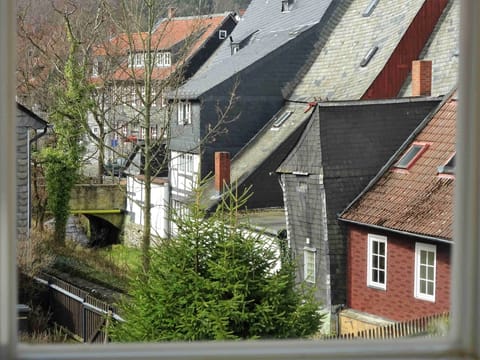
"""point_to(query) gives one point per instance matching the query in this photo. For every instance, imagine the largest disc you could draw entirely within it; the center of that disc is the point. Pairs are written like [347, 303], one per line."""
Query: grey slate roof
[266, 142]
[336, 73]
[442, 48]
[264, 28]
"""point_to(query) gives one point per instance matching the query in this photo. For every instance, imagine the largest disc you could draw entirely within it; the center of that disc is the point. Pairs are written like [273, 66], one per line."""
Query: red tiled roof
[417, 200]
[169, 32]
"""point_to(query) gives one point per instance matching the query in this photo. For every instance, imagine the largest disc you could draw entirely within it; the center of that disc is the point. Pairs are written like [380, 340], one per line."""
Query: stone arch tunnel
[104, 206]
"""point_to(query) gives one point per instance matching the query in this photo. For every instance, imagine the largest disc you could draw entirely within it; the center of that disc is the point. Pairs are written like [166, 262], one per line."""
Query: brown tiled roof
[169, 33]
[417, 200]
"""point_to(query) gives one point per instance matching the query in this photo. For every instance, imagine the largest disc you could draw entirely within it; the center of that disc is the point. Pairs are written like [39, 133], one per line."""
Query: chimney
[171, 12]
[222, 170]
[421, 78]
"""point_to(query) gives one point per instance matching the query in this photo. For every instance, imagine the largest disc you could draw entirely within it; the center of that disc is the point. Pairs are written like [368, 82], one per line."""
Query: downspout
[29, 187]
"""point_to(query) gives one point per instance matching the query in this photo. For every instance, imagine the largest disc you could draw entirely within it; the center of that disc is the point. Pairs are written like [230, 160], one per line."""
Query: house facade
[400, 227]
[178, 46]
[341, 149]
[28, 124]
[239, 89]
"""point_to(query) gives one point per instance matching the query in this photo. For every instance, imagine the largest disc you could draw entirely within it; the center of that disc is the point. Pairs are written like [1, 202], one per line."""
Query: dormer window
[449, 167]
[368, 56]
[411, 156]
[235, 47]
[287, 5]
[184, 113]
[163, 59]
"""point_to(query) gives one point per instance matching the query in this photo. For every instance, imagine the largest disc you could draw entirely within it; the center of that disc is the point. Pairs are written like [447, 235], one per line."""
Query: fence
[75, 310]
[424, 326]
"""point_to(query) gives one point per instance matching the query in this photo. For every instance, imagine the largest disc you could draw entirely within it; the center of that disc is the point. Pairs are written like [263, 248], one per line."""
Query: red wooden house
[399, 228]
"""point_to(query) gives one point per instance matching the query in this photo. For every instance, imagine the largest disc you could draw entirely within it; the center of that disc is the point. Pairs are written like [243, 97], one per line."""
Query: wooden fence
[77, 311]
[424, 326]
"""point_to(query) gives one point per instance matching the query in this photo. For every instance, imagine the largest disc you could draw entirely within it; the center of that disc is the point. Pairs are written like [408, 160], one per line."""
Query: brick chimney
[171, 12]
[421, 78]
[222, 170]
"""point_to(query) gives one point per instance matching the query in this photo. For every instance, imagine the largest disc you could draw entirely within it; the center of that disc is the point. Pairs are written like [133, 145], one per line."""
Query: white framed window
[136, 60]
[309, 257]
[97, 68]
[377, 261]
[186, 163]
[163, 59]
[184, 113]
[222, 34]
[154, 132]
[425, 271]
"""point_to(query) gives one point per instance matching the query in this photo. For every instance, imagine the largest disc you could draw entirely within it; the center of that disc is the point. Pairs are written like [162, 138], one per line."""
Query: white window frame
[419, 278]
[375, 266]
[462, 341]
[222, 34]
[163, 59]
[309, 264]
[184, 113]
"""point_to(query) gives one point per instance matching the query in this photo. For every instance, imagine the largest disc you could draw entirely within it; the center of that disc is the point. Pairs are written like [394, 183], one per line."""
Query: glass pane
[423, 287]
[431, 258]
[423, 272]
[381, 248]
[423, 257]
[375, 262]
[375, 276]
[430, 288]
[382, 263]
[381, 275]
[409, 155]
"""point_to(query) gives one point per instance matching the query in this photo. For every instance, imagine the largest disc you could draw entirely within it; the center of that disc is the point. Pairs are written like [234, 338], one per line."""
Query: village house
[178, 46]
[399, 229]
[29, 128]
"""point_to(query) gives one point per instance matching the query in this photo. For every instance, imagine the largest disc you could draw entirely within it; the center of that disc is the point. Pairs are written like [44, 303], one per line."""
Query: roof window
[411, 156]
[369, 9]
[366, 59]
[287, 5]
[282, 119]
[449, 167]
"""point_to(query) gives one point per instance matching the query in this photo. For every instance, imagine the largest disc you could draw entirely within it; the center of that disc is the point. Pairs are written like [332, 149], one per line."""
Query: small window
[309, 265]
[184, 113]
[377, 261]
[369, 9]
[222, 34]
[425, 269]
[163, 59]
[369, 56]
[287, 5]
[235, 47]
[412, 155]
[282, 119]
[448, 168]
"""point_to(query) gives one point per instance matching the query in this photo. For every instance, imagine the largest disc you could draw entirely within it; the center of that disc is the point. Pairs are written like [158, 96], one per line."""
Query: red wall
[397, 302]
[390, 80]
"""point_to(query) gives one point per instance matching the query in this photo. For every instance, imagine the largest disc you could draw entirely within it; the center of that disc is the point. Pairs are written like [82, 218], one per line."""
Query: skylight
[412, 155]
[366, 59]
[369, 9]
[449, 167]
[282, 119]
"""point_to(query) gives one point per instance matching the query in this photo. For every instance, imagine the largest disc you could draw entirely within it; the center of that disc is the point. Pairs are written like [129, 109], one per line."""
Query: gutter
[399, 232]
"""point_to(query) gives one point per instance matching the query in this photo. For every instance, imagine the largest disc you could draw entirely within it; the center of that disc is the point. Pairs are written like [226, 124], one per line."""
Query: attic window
[449, 167]
[235, 47]
[222, 34]
[287, 5]
[282, 119]
[411, 156]
[369, 9]
[369, 56]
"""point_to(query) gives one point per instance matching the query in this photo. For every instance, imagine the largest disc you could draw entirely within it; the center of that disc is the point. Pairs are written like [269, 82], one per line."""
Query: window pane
[423, 272]
[381, 277]
[423, 287]
[430, 288]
